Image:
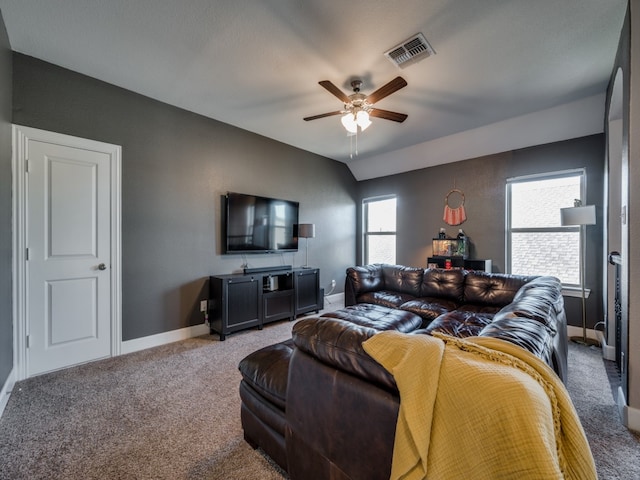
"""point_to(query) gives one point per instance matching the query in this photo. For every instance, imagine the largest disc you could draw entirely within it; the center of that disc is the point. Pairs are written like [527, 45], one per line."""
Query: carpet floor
[173, 412]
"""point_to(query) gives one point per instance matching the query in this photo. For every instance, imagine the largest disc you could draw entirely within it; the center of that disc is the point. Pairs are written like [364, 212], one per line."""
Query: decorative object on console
[450, 247]
[454, 215]
[454, 253]
[581, 216]
[306, 231]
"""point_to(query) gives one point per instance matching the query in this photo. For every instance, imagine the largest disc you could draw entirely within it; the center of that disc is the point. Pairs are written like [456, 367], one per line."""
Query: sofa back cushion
[367, 278]
[540, 300]
[524, 332]
[445, 284]
[482, 288]
[401, 279]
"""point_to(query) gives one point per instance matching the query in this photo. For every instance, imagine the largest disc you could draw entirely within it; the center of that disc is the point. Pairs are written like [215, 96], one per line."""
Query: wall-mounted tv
[253, 224]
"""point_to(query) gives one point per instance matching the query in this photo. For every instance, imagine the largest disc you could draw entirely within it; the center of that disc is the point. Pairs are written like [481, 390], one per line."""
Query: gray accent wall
[421, 194]
[176, 165]
[6, 309]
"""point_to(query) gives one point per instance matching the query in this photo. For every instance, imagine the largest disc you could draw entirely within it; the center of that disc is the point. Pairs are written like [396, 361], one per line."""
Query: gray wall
[6, 322]
[175, 167]
[421, 196]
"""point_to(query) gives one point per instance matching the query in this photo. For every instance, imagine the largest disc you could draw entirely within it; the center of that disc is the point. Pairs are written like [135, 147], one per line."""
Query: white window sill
[575, 292]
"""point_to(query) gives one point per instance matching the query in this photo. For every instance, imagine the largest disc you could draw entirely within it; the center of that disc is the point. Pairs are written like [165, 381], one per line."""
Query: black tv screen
[254, 224]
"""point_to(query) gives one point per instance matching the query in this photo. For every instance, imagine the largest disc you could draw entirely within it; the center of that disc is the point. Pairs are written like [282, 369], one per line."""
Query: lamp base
[585, 341]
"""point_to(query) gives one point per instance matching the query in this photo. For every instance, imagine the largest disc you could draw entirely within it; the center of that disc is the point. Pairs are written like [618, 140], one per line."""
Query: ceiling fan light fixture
[362, 119]
[349, 122]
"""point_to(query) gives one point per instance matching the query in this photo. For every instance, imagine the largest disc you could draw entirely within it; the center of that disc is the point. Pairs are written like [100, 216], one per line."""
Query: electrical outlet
[203, 306]
[333, 283]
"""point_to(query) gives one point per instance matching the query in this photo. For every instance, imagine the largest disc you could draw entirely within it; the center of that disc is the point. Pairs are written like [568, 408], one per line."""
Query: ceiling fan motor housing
[358, 102]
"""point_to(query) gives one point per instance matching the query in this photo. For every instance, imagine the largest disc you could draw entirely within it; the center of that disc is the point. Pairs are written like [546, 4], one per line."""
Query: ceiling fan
[359, 107]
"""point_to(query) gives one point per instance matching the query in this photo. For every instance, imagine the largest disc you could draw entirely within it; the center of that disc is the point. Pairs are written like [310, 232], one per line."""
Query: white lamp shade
[578, 215]
[306, 230]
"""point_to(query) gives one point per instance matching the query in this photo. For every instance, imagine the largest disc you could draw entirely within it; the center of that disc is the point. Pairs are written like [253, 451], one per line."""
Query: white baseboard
[629, 416]
[608, 351]
[137, 344]
[333, 302]
[577, 332]
[7, 388]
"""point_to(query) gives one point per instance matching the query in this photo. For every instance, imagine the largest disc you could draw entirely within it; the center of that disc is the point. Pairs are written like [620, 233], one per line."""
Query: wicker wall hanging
[454, 215]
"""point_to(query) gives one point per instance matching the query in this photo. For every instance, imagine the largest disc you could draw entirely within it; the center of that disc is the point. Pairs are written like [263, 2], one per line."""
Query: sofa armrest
[362, 279]
[339, 344]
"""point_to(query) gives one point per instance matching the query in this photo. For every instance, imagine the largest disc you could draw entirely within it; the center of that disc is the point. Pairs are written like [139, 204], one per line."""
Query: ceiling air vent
[410, 51]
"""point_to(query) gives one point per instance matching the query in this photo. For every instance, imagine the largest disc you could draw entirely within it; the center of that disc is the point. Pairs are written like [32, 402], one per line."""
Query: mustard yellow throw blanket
[479, 408]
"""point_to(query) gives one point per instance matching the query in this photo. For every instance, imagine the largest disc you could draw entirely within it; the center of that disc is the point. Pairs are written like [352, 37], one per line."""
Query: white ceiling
[256, 64]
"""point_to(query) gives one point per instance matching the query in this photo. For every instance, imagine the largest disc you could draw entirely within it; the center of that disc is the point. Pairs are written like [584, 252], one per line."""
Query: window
[379, 218]
[537, 244]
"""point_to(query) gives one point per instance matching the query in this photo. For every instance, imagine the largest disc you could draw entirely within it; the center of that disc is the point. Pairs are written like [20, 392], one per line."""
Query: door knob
[102, 266]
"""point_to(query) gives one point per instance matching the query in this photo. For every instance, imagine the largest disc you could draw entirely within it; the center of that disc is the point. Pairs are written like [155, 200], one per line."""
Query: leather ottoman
[265, 373]
[263, 391]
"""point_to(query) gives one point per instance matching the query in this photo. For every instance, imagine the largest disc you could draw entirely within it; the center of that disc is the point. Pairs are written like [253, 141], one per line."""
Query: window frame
[365, 227]
[576, 172]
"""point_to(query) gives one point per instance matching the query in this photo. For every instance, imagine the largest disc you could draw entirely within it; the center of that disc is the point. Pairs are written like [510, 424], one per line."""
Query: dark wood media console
[240, 301]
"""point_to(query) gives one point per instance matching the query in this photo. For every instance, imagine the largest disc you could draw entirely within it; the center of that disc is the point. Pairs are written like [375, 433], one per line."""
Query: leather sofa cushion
[266, 371]
[264, 412]
[405, 280]
[525, 332]
[473, 307]
[459, 324]
[444, 284]
[377, 317]
[428, 308]
[539, 300]
[484, 288]
[338, 343]
[366, 278]
[385, 298]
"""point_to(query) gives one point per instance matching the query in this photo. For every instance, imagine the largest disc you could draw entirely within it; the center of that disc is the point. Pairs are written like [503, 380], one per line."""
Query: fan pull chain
[356, 142]
[351, 144]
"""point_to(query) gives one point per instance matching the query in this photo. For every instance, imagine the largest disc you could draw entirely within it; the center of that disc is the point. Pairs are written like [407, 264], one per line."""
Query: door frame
[20, 135]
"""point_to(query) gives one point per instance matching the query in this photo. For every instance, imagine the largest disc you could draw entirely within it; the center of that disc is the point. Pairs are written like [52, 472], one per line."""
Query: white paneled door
[68, 251]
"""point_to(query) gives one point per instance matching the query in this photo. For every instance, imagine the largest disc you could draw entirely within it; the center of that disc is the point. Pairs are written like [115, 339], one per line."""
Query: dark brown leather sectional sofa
[321, 408]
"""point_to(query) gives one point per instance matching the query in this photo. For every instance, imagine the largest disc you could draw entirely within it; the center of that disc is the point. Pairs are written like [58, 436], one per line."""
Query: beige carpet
[172, 412]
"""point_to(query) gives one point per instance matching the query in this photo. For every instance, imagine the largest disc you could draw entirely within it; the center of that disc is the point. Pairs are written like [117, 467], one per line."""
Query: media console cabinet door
[307, 289]
[237, 303]
[243, 297]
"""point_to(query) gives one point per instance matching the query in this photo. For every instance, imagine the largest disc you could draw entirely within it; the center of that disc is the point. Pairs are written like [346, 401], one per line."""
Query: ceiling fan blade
[335, 91]
[386, 90]
[322, 115]
[387, 115]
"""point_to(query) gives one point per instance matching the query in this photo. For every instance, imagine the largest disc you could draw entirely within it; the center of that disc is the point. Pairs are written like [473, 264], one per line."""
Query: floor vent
[410, 51]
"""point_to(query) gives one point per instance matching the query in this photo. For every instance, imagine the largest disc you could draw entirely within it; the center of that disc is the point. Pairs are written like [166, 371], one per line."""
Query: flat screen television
[253, 224]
